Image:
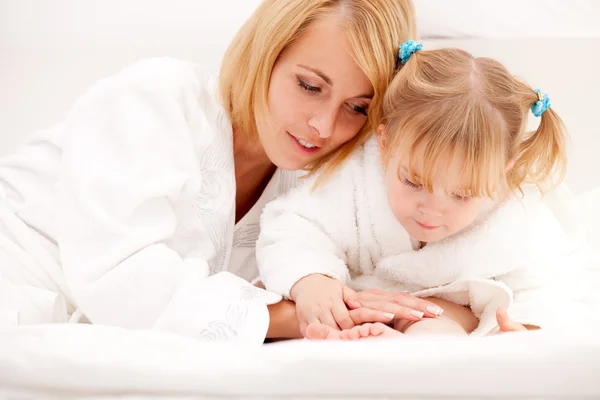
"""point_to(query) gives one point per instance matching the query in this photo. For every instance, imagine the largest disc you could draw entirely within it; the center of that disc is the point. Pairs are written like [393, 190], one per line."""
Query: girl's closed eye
[462, 197]
[411, 184]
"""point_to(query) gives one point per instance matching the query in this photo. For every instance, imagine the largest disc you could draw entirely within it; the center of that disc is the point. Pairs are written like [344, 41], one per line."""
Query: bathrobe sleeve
[131, 144]
[307, 231]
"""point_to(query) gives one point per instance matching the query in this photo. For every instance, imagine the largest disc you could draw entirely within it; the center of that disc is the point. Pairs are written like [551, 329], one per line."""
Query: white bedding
[69, 361]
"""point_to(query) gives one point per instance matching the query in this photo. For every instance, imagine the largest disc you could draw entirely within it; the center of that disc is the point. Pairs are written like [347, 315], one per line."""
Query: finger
[374, 291]
[426, 307]
[399, 312]
[505, 323]
[304, 320]
[327, 318]
[354, 333]
[302, 325]
[363, 315]
[350, 297]
[365, 330]
[404, 299]
[342, 316]
[318, 331]
[378, 329]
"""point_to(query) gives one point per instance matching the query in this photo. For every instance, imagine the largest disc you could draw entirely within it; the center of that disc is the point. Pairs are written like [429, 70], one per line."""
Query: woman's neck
[253, 170]
[249, 155]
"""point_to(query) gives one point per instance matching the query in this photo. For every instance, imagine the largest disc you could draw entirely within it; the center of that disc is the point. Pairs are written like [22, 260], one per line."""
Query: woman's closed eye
[356, 109]
[308, 88]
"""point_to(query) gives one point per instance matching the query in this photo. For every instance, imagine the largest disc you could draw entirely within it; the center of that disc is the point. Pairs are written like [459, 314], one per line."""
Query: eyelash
[415, 186]
[308, 88]
[411, 184]
[357, 110]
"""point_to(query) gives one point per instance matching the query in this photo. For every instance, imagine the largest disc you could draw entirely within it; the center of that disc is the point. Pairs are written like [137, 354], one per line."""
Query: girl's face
[318, 98]
[431, 217]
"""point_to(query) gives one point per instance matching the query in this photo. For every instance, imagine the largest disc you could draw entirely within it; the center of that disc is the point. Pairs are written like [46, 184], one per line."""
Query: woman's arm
[283, 323]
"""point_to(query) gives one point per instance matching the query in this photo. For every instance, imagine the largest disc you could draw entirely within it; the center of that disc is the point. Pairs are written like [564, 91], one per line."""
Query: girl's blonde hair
[375, 29]
[448, 102]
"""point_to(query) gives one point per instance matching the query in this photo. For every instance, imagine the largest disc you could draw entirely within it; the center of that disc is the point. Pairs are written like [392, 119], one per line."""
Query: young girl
[433, 207]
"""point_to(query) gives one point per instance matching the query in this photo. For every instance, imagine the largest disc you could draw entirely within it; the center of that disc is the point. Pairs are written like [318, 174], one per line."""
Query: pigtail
[542, 155]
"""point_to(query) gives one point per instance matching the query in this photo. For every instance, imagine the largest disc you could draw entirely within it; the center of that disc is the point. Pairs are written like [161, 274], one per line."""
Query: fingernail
[388, 315]
[416, 313]
[434, 310]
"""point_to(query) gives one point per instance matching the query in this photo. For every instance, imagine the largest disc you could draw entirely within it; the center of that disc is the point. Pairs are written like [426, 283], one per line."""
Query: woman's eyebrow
[319, 73]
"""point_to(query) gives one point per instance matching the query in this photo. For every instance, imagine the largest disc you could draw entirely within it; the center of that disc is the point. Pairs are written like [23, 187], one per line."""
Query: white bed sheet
[83, 361]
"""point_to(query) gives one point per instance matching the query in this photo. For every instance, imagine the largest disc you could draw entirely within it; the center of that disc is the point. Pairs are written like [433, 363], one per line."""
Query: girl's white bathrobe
[346, 230]
[124, 213]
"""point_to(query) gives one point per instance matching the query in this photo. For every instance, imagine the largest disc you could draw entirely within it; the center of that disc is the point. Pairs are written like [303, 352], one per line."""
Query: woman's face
[318, 98]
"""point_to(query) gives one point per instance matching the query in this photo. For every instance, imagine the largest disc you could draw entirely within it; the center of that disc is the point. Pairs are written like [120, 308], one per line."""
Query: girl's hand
[507, 325]
[320, 299]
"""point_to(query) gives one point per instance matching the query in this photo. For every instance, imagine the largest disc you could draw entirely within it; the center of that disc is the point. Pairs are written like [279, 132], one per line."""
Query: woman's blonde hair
[375, 29]
[448, 102]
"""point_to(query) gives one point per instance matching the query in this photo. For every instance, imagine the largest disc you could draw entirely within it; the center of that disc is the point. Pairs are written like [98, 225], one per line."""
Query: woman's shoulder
[177, 95]
[166, 77]
[165, 73]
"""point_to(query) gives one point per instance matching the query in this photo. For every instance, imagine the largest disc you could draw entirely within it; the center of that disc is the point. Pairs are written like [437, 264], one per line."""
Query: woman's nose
[324, 123]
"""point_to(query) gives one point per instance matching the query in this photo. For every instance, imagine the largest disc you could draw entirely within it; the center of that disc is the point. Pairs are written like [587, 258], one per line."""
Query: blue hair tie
[540, 106]
[407, 49]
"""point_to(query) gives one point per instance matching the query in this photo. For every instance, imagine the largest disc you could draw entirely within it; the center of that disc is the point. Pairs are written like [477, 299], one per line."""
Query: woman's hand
[507, 325]
[401, 304]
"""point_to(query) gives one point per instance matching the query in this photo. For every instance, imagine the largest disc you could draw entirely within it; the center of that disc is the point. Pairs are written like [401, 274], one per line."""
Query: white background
[51, 51]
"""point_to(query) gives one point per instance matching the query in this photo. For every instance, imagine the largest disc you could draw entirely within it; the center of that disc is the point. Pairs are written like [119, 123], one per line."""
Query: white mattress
[84, 361]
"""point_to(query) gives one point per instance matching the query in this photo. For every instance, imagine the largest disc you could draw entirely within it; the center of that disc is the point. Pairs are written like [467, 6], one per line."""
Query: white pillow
[508, 18]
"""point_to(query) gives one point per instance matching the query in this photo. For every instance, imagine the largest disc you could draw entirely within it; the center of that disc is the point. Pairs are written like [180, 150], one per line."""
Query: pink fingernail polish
[388, 315]
[416, 313]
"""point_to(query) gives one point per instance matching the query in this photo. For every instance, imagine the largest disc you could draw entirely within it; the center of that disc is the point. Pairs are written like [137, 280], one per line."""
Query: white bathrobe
[346, 230]
[120, 214]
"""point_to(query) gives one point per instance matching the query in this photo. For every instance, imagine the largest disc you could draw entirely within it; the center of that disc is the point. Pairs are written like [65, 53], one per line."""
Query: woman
[153, 182]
